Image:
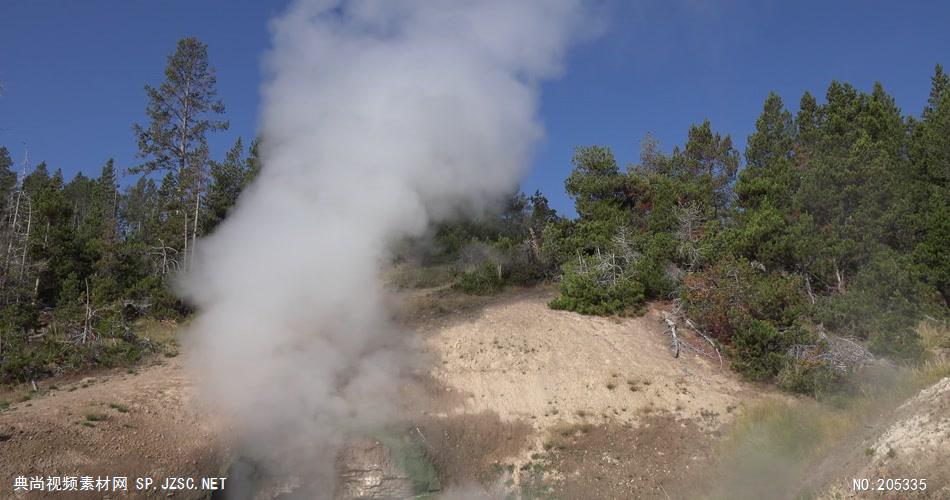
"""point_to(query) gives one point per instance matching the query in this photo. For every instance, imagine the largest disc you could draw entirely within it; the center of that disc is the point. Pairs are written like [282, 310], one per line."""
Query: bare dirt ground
[521, 359]
[661, 458]
[517, 395]
[143, 424]
[515, 398]
[610, 412]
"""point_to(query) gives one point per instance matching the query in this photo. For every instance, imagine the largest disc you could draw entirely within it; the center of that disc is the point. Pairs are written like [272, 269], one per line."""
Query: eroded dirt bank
[608, 411]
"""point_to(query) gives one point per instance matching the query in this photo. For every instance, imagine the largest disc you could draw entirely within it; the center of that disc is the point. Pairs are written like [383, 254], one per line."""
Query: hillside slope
[144, 424]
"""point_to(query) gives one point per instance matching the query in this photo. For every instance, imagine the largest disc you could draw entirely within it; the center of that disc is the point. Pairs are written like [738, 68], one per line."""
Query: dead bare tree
[606, 268]
[535, 242]
[624, 246]
[87, 329]
[200, 167]
[840, 286]
[690, 217]
[16, 227]
[808, 290]
[168, 257]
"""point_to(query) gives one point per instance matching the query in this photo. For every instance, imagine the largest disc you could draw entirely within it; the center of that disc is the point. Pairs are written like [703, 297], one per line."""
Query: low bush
[587, 291]
[486, 279]
[734, 291]
[807, 377]
[32, 350]
[752, 311]
[653, 266]
[758, 349]
[25, 361]
[882, 304]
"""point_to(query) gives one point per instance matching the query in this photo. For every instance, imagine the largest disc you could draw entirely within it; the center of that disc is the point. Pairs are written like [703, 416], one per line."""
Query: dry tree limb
[677, 315]
[811, 295]
[838, 353]
[676, 342]
[424, 441]
[699, 332]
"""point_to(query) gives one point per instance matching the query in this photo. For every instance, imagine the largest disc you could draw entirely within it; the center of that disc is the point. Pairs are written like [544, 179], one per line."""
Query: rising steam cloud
[379, 118]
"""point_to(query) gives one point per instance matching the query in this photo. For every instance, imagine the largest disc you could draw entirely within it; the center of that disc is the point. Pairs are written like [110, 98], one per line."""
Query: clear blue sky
[73, 71]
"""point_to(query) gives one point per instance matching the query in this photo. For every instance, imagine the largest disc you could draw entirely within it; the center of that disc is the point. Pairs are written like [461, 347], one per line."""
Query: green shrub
[882, 304]
[758, 349]
[902, 343]
[585, 292]
[736, 290]
[163, 302]
[651, 268]
[19, 317]
[20, 365]
[521, 266]
[121, 353]
[483, 280]
[59, 349]
[420, 276]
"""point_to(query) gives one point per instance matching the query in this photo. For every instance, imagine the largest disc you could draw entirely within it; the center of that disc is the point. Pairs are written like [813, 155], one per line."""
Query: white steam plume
[379, 117]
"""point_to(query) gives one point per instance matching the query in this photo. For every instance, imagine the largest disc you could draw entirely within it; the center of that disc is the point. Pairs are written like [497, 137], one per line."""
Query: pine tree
[253, 165]
[767, 175]
[181, 113]
[7, 175]
[930, 158]
[228, 179]
[36, 180]
[140, 210]
[103, 236]
[939, 85]
[598, 189]
[53, 245]
[79, 194]
[706, 166]
[767, 226]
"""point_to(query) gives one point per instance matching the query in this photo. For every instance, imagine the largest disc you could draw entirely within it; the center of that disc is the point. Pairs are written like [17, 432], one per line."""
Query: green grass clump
[121, 408]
